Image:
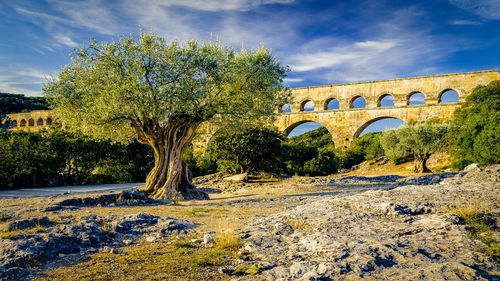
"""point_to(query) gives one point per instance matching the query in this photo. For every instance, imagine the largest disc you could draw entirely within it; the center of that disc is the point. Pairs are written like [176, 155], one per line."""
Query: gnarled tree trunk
[170, 176]
[420, 163]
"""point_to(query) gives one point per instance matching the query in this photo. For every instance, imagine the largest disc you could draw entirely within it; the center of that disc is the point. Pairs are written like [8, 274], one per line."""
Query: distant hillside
[11, 103]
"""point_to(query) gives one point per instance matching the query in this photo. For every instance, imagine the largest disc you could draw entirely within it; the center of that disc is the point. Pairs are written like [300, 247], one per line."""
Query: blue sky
[323, 42]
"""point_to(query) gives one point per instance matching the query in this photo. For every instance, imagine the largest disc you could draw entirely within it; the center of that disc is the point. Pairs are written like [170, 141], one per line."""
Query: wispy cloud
[216, 5]
[465, 22]
[65, 40]
[21, 79]
[489, 9]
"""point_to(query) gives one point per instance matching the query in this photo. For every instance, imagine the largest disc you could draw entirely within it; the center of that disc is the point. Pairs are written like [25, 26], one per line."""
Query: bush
[474, 136]
[419, 140]
[246, 150]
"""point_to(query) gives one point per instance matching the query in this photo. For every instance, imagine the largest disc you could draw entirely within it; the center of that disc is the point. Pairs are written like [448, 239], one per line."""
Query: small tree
[474, 135]
[419, 140]
[160, 93]
[247, 150]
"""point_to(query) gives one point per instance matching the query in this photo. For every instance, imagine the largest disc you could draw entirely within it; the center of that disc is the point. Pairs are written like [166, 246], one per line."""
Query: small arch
[31, 122]
[14, 123]
[331, 104]
[39, 122]
[286, 108]
[22, 123]
[385, 100]
[379, 124]
[48, 121]
[415, 98]
[357, 102]
[307, 105]
[448, 96]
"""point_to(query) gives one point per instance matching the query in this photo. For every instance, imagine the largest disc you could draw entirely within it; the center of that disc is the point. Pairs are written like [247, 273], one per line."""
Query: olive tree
[418, 140]
[160, 92]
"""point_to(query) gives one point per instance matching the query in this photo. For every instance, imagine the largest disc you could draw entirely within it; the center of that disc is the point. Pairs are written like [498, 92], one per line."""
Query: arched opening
[48, 121]
[301, 127]
[14, 123]
[307, 105]
[31, 122]
[385, 101]
[331, 104]
[286, 108]
[416, 98]
[379, 124]
[358, 102]
[39, 122]
[22, 123]
[448, 96]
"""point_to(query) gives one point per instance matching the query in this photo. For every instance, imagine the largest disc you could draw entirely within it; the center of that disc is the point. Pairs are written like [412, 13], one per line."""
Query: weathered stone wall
[347, 123]
[31, 121]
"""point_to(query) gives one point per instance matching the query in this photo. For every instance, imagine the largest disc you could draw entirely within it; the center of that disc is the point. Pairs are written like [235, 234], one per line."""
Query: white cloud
[65, 40]
[215, 5]
[293, 80]
[489, 9]
[465, 22]
[353, 54]
[20, 79]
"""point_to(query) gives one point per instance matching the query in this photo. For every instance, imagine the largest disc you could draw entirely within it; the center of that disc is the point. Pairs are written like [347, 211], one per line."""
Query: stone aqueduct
[346, 123]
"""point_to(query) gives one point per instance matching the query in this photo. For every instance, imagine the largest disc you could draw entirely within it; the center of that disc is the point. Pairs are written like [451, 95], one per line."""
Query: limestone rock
[237, 178]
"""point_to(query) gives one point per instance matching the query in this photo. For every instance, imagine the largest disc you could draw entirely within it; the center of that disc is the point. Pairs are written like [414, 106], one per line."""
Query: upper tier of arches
[360, 101]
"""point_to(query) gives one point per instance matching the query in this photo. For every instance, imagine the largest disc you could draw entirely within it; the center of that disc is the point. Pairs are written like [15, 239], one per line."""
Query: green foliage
[368, 145]
[57, 157]
[417, 140]
[474, 136]
[11, 103]
[246, 150]
[109, 86]
[199, 164]
[314, 153]
[310, 153]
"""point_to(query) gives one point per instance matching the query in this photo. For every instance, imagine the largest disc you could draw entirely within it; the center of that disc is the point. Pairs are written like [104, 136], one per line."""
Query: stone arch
[48, 121]
[412, 94]
[292, 126]
[22, 123]
[351, 103]
[379, 101]
[326, 104]
[368, 123]
[39, 122]
[448, 90]
[31, 122]
[285, 108]
[14, 123]
[303, 105]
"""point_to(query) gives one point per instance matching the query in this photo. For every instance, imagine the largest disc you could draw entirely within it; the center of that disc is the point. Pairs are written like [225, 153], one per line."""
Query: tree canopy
[475, 132]
[12, 103]
[160, 92]
[419, 140]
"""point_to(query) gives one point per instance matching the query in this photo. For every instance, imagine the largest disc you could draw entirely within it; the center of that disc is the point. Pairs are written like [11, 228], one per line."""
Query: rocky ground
[302, 228]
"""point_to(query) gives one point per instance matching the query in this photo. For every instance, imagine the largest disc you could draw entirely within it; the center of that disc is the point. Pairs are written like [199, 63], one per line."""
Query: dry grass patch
[155, 261]
[475, 212]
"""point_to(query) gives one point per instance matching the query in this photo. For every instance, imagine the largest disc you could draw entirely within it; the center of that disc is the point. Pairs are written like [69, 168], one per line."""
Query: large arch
[368, 123]
[39, 122]
[22, 123]
[290, 128]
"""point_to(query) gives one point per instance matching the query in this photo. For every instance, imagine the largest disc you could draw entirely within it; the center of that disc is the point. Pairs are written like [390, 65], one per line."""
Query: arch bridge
[31, 121]
[347, 122]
